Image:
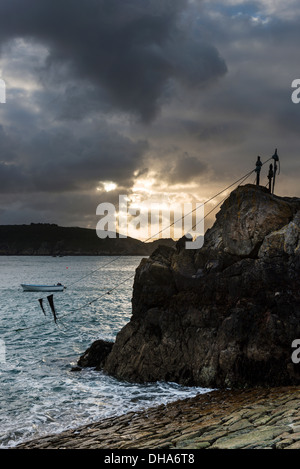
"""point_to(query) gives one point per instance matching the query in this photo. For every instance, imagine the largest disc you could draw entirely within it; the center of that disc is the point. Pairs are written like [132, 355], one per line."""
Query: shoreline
[258, 418]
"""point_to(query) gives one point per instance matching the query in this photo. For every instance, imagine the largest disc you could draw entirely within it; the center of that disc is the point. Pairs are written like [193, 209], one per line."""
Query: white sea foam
[38, 392]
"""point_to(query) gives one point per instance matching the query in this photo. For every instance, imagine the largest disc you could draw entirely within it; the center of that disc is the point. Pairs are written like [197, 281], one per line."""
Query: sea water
[39, 394]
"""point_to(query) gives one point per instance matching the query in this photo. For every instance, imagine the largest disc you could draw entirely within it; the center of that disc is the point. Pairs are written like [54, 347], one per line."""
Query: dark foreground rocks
[225, 315]
[248, 419]
[95, 355]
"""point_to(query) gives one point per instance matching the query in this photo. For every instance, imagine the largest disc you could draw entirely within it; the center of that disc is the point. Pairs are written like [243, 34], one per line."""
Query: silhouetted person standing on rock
[276, 160]
[270, 177]
[258, 169]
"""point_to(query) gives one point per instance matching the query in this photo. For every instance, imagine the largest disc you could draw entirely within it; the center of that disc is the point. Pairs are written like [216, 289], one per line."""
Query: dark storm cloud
[184, 168]
[91, 67]
[59, 160]
[222, 131]
[248, 112]
[131, 49]
[63, 209]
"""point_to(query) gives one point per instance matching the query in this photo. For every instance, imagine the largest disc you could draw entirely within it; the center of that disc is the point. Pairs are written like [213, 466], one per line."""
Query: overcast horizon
[168, 100]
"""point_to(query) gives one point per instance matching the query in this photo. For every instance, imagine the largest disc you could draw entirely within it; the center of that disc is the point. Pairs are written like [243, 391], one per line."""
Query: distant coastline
[46, 239]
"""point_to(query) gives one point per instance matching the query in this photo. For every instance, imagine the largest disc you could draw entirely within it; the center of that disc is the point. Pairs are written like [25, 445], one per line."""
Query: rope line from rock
[108, 291]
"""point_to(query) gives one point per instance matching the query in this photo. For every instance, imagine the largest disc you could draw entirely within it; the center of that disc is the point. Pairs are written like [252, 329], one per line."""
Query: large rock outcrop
[224, 315]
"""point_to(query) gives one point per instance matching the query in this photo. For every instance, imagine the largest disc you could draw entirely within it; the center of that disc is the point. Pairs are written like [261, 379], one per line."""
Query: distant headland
[45, 239]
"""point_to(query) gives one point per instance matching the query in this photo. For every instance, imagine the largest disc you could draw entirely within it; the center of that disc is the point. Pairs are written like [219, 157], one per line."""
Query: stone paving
[246, 419]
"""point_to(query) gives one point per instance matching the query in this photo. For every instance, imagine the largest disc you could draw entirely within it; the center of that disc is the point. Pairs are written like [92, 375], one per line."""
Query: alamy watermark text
[149, 221]
[2, 91]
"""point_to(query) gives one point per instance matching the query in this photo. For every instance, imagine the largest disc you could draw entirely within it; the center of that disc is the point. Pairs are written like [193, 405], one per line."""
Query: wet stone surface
[248, 419]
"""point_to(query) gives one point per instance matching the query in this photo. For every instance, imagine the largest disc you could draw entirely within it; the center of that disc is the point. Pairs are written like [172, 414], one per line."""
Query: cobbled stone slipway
[256, 418]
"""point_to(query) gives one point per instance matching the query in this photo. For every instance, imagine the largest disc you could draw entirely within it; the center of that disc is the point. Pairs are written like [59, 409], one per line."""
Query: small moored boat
[53, 288]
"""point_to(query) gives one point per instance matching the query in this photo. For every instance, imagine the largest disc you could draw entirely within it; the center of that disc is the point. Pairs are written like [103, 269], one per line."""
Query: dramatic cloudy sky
[147, 98]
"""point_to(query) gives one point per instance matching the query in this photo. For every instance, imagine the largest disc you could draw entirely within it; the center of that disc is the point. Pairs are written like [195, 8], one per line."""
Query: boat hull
[45, 288]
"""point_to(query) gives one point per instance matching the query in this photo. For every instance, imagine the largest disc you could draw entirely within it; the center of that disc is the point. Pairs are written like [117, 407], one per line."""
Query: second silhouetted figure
[258, 169]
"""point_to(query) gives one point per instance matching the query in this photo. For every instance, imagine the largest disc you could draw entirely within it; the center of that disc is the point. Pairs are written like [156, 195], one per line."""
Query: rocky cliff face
[224, 315]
